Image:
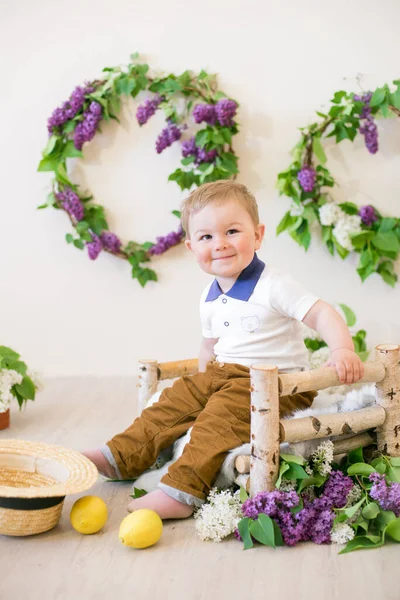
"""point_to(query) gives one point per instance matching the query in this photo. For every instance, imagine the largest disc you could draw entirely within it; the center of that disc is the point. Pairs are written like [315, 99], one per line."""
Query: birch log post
[147, 381]
[264, 465]
[388, 396]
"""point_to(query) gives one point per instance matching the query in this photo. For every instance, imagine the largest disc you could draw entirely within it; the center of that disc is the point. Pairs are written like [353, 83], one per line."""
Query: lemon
[140, 529]
[89, 514]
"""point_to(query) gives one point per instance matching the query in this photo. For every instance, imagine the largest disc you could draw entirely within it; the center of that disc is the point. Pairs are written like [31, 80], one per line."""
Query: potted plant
[15, 382]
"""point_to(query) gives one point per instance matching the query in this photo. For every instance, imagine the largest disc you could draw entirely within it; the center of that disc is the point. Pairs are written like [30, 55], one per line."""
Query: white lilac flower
[307, 332]
[330, 213]
[320, 461]
[296, 210]
[219, 516]
[344, 228]
[288, 485]
[36, 379]
[319, 357]
[8, 378]
[341, 533]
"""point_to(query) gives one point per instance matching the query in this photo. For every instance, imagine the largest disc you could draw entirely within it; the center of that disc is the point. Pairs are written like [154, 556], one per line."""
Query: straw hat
[34, 480]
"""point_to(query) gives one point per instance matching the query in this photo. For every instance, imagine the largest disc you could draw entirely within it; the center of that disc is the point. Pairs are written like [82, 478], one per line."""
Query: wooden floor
[64, 565]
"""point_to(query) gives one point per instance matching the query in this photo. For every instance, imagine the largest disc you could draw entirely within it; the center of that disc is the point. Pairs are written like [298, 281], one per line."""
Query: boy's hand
[348, 365]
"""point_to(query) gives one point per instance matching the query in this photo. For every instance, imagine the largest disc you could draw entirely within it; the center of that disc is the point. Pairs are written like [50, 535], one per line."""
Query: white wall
[280, 60]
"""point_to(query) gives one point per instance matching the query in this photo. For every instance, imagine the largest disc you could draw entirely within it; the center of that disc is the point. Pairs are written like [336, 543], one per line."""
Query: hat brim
[38, 470]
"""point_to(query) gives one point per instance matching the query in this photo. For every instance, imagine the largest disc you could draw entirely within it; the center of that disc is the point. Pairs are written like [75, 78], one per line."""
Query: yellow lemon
[140, 529]
[89, 514]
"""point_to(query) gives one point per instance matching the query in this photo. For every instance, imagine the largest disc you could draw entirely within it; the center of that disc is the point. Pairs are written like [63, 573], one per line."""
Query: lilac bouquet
[355, 503]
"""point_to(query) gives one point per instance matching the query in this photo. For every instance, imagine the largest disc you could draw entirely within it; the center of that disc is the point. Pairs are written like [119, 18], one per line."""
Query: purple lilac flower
[168, 136]
[165, 242]
[86, 129]
[94, 247]
[69, 108]
[337, 489]
[313, 522]
[148, 109]
[226, 110]
[71, 202]
[201, 155]
[205, 112]
[189, 147]
[368, 126]
[110, 241]
[388, 496]
[307, 177]
[367, 214]
[370, 132]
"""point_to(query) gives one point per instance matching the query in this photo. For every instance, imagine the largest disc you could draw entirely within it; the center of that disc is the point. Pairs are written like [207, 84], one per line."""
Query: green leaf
[386, 242]
[395, 461]
[371, 511]
[287, 221]
[362, 542]
[361, 239]
[393, 529]
[349, 315]
[49, 163]
[188, 160]
[393, 474]
[338, 96]
[69, 238]
[316, 480]
[384, 517]
[318, 150]
[360, 469]
[292, 458]
[378, 97]
[26, 388]
[351, 511]
[51, 144]
[9, 354]
[244, 530]
[282, 469]
[138, 493]
[203, 137]
[243, 495]
[295, 472]
[349, 208]
[355, 456]
[69, 151]
[177, 213]
[387, 224]
[262, 530]
[79, 244]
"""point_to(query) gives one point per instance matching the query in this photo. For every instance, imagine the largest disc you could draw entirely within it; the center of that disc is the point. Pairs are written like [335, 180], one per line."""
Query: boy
[250, 313]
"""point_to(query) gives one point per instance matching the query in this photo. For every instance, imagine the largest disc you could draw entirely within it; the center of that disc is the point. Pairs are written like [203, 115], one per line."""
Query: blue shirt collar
[244, 285]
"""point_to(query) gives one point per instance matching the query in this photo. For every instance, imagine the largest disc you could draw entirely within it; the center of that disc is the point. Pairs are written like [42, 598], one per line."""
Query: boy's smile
[223, 238]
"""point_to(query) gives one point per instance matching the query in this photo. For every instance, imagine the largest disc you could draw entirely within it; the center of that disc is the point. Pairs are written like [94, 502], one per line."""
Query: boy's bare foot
[165, 506]
[102, 464]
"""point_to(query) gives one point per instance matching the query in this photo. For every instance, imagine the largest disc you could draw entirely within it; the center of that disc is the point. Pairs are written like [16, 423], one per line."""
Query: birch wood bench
[360, 427]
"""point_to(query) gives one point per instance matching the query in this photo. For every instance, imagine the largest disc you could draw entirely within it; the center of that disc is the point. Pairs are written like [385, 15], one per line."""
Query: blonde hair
[218, 192]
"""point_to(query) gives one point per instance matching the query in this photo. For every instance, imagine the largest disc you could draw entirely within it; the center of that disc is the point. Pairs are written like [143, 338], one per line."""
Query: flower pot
[5, 419]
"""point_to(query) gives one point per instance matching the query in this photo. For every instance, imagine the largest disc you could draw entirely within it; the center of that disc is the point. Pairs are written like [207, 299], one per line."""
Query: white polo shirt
[258, 319]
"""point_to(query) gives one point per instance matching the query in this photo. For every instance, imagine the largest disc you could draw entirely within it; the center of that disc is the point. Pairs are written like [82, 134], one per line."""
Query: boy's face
[223, 239]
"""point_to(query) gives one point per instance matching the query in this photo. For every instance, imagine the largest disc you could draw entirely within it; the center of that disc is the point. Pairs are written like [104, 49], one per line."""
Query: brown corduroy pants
[217, 404]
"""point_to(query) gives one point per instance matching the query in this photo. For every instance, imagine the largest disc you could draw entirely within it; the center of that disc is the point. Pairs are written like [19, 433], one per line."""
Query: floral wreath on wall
[345, 227]
[187, 100]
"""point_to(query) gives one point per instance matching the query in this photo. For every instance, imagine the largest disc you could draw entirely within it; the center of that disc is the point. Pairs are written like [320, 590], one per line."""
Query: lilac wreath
[207, 155]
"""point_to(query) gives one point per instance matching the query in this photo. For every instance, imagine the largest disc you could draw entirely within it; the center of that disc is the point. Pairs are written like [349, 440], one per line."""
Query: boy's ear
[260, 231]
[188, 244]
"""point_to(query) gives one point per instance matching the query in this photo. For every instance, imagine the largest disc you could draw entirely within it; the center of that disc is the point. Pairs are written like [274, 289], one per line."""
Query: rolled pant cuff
[108, 455]
[180, 496]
